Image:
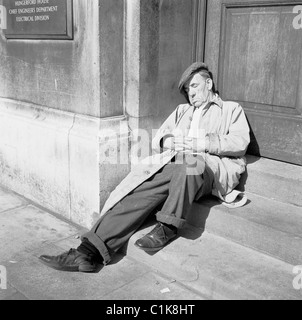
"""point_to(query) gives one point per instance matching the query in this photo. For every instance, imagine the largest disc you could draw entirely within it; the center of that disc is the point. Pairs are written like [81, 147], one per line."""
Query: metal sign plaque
[39, 19]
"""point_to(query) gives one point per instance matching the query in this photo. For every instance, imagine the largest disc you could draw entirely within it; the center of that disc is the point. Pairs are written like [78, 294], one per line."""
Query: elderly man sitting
[200, 150]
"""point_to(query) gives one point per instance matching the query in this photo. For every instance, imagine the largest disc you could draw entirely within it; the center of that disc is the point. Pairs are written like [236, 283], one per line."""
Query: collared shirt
[195, 131]
[200, 122]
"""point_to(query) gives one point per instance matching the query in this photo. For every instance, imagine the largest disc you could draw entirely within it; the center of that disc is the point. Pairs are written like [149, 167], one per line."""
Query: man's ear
[209, 84]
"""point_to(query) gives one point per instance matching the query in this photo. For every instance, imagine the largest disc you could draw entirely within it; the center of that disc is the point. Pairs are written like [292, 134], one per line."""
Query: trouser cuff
[100, 245]
[172, 220]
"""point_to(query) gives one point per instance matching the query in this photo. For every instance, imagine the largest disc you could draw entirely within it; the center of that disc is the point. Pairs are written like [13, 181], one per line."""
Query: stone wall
[58, 98]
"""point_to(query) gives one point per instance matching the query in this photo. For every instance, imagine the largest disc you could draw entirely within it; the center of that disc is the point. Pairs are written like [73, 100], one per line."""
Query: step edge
[213, 235]
[222, 282]
[221, 209]
[255, 167]
[253, 160]
[275, 200]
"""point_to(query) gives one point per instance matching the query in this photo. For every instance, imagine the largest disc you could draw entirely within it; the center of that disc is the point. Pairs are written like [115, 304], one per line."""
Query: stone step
[273, 179]
[265, 225]
[219, 269]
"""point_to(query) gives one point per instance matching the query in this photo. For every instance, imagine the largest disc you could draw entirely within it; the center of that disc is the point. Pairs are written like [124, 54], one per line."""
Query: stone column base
[67, 163]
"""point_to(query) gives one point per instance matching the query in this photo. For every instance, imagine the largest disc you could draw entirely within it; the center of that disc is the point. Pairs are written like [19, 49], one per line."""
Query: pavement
[28, 231]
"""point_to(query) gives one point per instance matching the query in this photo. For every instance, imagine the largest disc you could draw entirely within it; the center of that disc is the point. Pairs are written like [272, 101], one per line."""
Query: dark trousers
[174, 187]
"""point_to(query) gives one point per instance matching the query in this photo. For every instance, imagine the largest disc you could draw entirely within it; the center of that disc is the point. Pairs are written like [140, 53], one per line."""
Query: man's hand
[189, 145]
[185, 144]
[169, 143]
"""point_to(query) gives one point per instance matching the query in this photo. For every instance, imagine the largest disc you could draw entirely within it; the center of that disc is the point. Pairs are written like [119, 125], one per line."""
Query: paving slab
[38, 282]
[9, 201]
[18, 297]
[26, 228]
[124, 279]
[7, 293]
[155, 286]
[220, 269]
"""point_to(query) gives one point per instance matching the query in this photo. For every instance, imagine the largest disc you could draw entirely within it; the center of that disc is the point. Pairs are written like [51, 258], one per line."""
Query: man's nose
[192, 93]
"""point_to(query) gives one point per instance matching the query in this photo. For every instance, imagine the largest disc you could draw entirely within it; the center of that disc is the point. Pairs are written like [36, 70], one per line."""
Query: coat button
[147, 172]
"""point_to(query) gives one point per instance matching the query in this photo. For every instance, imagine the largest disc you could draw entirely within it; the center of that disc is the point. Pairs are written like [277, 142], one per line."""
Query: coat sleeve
[165, 131]
[236, 141]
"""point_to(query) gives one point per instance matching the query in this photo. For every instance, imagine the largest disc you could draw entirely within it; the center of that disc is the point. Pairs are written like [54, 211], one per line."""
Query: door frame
[199, 29]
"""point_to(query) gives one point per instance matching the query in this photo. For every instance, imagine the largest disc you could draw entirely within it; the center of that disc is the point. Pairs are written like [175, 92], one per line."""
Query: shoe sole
[69, 269]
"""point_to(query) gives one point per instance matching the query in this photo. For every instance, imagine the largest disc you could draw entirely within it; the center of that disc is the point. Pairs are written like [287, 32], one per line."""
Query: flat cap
[194, 68]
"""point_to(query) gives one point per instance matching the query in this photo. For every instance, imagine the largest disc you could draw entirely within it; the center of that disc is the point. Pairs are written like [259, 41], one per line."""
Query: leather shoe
[157, 239]
[71, 261]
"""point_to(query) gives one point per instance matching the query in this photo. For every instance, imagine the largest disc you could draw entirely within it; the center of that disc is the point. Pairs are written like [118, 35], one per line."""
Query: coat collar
[215, 100]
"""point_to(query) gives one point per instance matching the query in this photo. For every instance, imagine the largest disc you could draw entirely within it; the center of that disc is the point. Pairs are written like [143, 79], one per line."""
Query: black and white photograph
[150, 153]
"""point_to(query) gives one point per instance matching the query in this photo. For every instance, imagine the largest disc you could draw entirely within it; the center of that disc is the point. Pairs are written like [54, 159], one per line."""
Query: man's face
[198, 90]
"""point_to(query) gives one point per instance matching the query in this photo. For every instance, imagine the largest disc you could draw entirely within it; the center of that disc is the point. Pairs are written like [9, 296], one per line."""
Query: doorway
[255, 53]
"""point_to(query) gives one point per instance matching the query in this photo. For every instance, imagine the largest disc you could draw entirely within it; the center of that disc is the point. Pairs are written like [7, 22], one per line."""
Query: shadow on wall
[253, 150]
